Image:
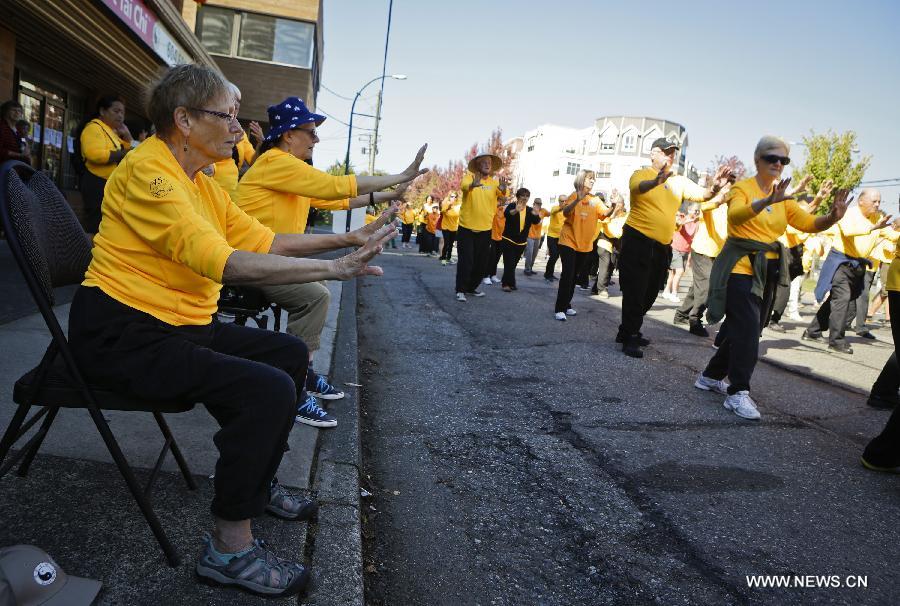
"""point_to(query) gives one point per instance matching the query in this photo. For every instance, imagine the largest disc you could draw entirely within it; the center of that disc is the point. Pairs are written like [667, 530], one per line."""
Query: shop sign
[142, 21]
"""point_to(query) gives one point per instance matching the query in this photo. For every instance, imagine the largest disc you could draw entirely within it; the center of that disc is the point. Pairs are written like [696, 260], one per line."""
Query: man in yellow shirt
[882, 254]
[481, 194]
[843, 271]
[554, 227]
[656, 195]
[535, 239]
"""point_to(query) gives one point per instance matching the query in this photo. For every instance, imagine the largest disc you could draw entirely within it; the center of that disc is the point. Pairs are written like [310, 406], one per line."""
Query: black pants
[494, 259]
[783, 293]
[572, 263]
[449, 239]
[884, 450]
[846, 285]
[859, 307]
[473, 250]
[91, 187]
[511, 255]
[553, 249]
[249, 379]
[589, 267]
[738, 339]
[643, 268]
[694, 303]
[426, 241]
[407, 232]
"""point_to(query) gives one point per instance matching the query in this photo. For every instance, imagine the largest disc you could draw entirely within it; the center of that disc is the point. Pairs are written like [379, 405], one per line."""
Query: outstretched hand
[842, 200]
[412, 171]
[357, 262]
[801, 185]
[884, 222]
[662, 175]
[780, 191]
[401, 189]
[722, 177]
[362, 235]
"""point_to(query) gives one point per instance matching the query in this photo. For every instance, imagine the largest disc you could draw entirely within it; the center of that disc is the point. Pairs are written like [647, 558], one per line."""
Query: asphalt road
[515, 459]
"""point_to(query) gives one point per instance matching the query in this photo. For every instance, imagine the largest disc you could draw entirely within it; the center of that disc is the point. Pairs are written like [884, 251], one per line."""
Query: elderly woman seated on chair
[142, 321]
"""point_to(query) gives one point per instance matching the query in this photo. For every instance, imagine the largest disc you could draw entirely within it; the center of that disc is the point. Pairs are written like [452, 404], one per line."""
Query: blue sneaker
[310, 413]
[325, 390]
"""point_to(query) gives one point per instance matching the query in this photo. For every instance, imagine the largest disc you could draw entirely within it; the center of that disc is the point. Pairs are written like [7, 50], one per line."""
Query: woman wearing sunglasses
[747, 270]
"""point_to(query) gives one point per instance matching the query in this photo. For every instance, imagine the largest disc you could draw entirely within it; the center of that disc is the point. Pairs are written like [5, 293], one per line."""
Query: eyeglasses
[222, 115]
[772, 159]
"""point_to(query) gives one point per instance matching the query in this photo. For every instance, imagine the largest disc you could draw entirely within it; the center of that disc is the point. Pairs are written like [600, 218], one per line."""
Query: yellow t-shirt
[408, 215]
[653, 213]
[556, 222]
[712, 232]
[479, 204]
[535, 230]
[498, 223]
[279, 189]
[370, 218]
[451, 218]
[581, 224]
[893, 277]
[164, 239]
[226, 171]
[768, 225]
[97, 141]
[855, 237]
[612, 229]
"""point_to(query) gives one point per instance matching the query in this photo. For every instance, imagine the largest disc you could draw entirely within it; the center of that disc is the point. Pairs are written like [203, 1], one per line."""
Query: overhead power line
[336, 94]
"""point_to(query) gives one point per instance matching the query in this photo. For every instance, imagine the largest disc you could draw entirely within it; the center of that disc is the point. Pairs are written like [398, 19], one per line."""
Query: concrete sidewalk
[75, 505]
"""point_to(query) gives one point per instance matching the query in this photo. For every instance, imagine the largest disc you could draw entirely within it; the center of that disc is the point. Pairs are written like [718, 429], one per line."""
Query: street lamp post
[350, 126]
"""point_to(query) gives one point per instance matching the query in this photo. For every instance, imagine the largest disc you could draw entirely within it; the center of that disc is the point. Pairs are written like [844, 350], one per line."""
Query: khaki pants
[307, 307]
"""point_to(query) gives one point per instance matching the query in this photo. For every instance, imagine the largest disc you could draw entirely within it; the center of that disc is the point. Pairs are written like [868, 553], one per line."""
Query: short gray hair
[768, 143]
[182, 86]
[580, 177]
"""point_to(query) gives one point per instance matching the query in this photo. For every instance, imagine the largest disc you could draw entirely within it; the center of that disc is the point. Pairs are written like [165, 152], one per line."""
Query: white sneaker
[477, 293]
[461, 297]
[795, 316]
[495, 280]
[706, 384]
[560, 316]
[742, 405]
[486, 281]
[571, 312]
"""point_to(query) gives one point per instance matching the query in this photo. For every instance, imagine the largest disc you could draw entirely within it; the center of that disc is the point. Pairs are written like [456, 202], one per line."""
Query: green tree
[337, 169]
[830, 156]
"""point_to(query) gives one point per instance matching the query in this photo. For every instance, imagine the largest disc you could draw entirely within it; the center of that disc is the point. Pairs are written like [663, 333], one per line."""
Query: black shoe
[631, 347]
[808, 336]
[678, 319]
[866, 335]
[697, 329]
[776, 327]
[642, 341]
[888, 401]
[841, 348]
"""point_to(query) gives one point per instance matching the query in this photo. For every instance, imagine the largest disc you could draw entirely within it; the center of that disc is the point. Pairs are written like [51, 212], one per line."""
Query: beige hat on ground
[30, 577]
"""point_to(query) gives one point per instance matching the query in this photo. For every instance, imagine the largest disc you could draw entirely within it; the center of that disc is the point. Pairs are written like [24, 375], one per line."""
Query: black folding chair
[248, 303]
[51, 249]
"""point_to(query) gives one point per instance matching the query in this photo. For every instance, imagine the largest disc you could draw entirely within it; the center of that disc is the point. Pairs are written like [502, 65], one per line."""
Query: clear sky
[728, 72]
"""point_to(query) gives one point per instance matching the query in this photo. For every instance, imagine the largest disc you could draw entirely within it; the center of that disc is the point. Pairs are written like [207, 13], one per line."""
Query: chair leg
[9, 437]
[143, 503]
[176, 451]
[42, 433]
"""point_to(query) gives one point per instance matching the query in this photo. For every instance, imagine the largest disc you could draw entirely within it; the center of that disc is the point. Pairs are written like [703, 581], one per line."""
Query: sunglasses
[309, 131]
[772, 159]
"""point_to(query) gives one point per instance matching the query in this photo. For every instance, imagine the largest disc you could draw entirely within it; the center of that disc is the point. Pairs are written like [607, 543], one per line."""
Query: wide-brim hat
[288, 115]
[496, 163]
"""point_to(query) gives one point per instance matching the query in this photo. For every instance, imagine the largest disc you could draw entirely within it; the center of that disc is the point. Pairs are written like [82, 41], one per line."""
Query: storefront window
[215, 26]
[257, 37]
[52, 125]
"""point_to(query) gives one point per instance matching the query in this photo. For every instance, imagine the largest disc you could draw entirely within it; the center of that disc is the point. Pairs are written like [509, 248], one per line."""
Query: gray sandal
[288, 506]
[258, 571]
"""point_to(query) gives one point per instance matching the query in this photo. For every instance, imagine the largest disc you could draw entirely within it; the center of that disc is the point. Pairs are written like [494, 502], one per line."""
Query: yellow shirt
[612, 229]
[279, 189]
[451, 218]
[227, 172]
[535, 230]
[712, 232]
[653, 213]
[556, 222]
[164, 239]
[855, 237]
[408, 215]
[768, 225]
[370, 218]
[893, 277]
[580, 225]
[479, 204]
[498, 223]
[97, 141]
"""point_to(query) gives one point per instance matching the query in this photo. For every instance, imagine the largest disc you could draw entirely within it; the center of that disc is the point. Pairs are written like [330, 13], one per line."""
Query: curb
[336, 544]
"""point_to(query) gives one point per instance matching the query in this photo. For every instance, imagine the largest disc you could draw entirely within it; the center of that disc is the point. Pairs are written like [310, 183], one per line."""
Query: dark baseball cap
[30, 577]
[664, 144]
